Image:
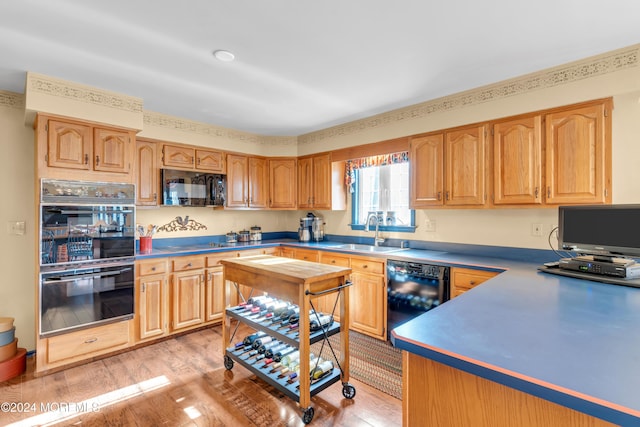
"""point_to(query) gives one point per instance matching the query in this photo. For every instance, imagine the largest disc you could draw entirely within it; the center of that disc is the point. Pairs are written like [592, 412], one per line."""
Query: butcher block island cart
[298, 282]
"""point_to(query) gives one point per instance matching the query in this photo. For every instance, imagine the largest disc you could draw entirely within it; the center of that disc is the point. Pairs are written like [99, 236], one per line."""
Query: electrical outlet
[16, 227]
[430, 225]
[536, 229]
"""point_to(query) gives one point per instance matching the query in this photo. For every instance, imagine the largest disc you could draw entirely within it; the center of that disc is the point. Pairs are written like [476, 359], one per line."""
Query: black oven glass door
[80, 298]
[84, 233]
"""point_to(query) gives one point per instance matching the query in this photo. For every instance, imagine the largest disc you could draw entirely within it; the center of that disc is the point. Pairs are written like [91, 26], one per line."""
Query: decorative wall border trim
[11, 100]
[64, 89]
[580, 70]
[185, 125]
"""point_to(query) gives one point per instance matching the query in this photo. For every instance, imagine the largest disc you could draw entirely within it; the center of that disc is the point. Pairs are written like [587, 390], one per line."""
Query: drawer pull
[153, 269]
[91, 340]
[333, 261]
[189, 265]
[365, 266]
[472, 282]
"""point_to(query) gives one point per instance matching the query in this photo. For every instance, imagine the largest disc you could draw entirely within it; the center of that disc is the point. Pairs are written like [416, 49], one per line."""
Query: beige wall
[17, 252]
[615, 74]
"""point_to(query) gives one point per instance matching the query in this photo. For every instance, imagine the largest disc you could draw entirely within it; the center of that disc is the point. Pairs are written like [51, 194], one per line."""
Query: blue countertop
[573, 342]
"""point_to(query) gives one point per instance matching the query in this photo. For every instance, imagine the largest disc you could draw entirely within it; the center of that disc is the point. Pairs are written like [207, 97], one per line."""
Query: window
[384, 190]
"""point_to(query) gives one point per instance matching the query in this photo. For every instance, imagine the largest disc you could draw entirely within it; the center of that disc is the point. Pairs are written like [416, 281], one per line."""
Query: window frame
[394, 228]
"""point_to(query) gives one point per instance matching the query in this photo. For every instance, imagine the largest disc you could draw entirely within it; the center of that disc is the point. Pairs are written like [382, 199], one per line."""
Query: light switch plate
[16, 227]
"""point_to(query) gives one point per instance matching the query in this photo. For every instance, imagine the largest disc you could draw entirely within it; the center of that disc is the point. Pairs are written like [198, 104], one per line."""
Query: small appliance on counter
[311, 228]
[255, 234]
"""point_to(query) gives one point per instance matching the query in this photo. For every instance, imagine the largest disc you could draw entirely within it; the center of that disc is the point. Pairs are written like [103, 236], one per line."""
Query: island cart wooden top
[285, 277]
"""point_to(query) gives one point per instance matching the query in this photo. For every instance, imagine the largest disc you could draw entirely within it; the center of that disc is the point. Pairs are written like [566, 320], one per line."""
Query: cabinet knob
[472, 282]
[439, 195]
[333, 261]
[365, 266]
[97, 160]
[153, 269]
[86, 159]
[189, 265]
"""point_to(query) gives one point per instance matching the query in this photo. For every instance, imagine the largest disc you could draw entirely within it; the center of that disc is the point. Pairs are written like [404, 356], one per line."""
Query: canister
[256, 233]
[243, 236]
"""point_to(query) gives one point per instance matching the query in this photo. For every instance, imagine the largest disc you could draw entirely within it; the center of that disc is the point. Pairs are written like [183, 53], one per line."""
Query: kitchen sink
[367, 248]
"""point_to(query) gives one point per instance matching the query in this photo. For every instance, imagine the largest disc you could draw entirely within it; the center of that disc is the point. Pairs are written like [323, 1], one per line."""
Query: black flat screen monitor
[605, 231]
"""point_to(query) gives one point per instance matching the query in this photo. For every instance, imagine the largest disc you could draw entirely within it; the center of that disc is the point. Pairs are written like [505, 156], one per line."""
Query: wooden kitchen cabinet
[463, 279]
[247, 182]
[368, 297]
[426, 185]
[210, 161]
[578, 154]
[326, 303]
[147, 173]
[186, 157]
[282, 183]
[73, 149]
[214, 305]
[151, 298]
[517, 161]
[321, 183]
[464, 166]
[188, 292]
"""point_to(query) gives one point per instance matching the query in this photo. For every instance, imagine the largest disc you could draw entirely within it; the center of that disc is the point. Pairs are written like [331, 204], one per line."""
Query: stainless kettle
[304, 234]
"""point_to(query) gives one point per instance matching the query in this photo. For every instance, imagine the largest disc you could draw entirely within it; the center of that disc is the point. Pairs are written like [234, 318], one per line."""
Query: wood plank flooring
[179, 382]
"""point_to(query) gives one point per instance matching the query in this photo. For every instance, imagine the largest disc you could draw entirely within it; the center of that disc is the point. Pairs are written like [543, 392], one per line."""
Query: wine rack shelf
[298, 282]
[291, 390]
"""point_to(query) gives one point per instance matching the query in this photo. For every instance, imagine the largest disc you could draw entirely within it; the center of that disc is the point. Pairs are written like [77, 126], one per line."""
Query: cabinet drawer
[367, 265]
[463, 278]
[147, 268]
[333, 259]
[185, 263]
[307, 255]
[88, 341]
[214, 260]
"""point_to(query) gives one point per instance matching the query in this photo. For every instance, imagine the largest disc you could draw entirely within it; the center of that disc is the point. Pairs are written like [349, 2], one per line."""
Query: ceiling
[300, 65]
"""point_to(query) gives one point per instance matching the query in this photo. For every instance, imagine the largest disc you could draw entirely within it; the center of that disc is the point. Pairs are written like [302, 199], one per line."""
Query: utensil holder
[146, 244]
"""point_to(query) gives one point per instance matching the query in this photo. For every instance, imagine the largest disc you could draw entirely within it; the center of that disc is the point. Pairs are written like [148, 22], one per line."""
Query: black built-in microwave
[188, 188]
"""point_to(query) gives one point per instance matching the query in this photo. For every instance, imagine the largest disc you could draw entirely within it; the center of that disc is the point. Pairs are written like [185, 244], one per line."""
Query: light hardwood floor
[179, 382]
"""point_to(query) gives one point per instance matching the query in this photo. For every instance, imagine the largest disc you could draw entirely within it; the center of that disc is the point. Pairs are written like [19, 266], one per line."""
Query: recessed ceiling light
[224, 55]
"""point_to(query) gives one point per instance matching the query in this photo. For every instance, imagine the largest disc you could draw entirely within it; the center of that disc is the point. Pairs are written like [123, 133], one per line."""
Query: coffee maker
[311, 228]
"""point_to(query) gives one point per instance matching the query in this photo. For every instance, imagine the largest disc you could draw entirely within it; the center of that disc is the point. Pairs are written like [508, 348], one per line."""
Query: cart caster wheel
[307, 415]
[228, 363]
[348, 391]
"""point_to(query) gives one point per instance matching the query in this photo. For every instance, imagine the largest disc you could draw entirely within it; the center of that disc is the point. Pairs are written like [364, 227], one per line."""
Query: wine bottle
[317, 322]
[279, 355]
[249, 339]
[264, 347]
[262, 340]
[275, 349]
[322, 369]
[295, 369]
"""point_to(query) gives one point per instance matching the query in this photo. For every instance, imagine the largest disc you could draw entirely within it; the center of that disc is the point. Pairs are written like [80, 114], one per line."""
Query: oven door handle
[82, 276]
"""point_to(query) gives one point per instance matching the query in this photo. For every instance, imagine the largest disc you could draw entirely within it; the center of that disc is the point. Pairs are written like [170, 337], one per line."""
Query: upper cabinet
[69, 149]
[177, 156]
[464, 166]
[320, 183]
[247, 182]
[426, 154]
[517, 161]
[282, 183]
[146, 173]
[578, 154]
[546, 158]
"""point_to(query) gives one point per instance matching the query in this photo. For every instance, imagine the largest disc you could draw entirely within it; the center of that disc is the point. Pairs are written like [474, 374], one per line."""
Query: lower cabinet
[327, 303]
[151, 297]
[368, 297]
[187, 292]
[463, 279]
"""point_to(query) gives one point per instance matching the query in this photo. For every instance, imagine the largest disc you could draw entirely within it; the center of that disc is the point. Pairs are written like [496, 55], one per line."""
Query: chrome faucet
[373, 215]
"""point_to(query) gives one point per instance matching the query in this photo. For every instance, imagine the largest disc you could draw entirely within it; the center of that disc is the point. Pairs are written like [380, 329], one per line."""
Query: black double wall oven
[87, 249]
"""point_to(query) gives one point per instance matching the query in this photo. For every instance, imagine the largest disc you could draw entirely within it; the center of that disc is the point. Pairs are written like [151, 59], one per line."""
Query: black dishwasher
[414, 288]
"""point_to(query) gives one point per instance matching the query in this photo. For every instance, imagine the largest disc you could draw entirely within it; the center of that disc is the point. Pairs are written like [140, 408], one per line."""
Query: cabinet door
[215, 294]
[112, 150]
[321, 197]
[258, 175]
[178, 156]
[210, 161]
[282, 183]
[237, 182]
[426, 175]
[146, 174]
[578, 156]
[517, 161]
[187, 299]
[465, 166]
[366, 304]
[68, 145]
[307, 255]
[152, 306]
[305, 183]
